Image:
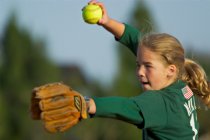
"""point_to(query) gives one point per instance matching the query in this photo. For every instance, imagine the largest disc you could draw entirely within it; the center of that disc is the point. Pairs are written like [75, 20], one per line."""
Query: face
[151, 71]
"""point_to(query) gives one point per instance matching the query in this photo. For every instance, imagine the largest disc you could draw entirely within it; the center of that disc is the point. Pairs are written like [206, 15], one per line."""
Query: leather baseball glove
[59, 106]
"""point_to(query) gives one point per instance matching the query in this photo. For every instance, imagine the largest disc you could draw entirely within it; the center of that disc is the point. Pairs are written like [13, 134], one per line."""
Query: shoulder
[150, 95]
[150, 98]
[151, 104]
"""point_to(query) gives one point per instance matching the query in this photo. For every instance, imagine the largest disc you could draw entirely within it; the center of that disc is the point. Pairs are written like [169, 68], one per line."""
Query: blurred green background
[25, 63]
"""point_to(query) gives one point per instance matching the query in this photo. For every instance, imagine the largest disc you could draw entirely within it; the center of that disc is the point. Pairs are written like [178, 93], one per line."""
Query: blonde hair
[172, 52]
[195, 76]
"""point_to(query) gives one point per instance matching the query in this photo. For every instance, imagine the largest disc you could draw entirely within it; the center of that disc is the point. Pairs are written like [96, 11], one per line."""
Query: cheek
[157, 77]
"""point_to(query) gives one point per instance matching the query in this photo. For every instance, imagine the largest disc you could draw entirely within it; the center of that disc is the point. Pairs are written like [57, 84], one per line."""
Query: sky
[71, 41]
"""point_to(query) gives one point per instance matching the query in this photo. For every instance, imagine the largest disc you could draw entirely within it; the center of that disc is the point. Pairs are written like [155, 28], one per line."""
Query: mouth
[145, 83]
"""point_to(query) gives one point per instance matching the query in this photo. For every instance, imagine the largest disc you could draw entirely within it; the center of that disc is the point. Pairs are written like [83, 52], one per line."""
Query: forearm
[115, 27]
[116, 107]
[111, 25]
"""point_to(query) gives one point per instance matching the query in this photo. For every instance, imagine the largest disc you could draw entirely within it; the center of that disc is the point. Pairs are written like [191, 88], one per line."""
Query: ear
[172, 71]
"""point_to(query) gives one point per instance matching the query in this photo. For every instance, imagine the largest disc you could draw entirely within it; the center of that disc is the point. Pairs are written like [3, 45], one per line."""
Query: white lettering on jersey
[190, 106]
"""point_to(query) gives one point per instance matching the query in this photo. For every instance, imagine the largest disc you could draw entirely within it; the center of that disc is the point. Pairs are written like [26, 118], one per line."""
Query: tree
[24, 65]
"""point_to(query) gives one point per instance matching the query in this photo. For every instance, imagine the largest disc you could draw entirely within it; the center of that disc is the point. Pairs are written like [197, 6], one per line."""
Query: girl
[166, 109]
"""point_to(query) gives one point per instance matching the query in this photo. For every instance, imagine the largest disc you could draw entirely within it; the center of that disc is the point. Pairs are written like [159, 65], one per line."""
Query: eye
[148, 66]
[137, 65]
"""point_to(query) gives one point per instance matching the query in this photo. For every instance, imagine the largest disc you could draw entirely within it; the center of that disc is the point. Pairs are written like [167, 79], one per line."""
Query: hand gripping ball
[92, 13]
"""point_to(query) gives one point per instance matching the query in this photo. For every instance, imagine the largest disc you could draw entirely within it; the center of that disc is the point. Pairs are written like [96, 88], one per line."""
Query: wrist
[87, 101]
[107, 23]
[90, 105]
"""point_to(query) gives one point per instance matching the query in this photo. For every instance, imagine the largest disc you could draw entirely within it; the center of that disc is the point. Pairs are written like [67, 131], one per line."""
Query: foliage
[24, 64]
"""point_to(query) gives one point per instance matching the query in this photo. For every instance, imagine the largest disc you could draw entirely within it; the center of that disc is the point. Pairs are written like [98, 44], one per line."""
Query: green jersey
[166, 114]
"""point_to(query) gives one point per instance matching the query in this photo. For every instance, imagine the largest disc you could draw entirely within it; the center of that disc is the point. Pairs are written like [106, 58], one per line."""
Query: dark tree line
[24, 63]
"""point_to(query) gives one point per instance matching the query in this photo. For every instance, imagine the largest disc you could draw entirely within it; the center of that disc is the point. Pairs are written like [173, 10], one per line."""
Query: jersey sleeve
[120, 108]
[130, 38]
[153, 109]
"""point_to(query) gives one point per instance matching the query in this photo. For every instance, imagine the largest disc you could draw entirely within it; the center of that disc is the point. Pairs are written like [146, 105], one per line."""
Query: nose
[140, 72]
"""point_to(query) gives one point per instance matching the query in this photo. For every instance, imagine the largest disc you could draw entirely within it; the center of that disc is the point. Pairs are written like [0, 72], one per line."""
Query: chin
[146, 88]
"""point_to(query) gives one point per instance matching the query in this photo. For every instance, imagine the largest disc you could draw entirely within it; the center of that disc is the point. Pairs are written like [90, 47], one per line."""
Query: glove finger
[34, 108]
[61, 125]
[50, 90]
[56, 102]
[59, 113]
[69, 125]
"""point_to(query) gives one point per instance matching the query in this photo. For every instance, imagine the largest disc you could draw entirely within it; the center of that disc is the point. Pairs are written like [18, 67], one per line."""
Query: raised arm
[111, 25]
[125, 34]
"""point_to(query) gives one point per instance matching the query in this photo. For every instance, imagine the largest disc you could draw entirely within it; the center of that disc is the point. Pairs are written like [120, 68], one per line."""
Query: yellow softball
[91, 13]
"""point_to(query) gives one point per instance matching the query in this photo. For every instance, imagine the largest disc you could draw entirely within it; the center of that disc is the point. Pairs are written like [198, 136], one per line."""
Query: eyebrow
[145, 63]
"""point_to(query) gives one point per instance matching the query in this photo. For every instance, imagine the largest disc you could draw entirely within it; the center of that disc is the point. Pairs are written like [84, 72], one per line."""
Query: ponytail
[196, 78]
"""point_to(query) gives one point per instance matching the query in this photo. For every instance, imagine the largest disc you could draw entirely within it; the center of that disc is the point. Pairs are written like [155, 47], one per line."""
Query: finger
[101, 21]
[50, 90]
[59, 113]
[69, 125]
[102, 7]
[34, 107]
[104, 12]
[61, 125]
[56, 102]
[92, 2]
